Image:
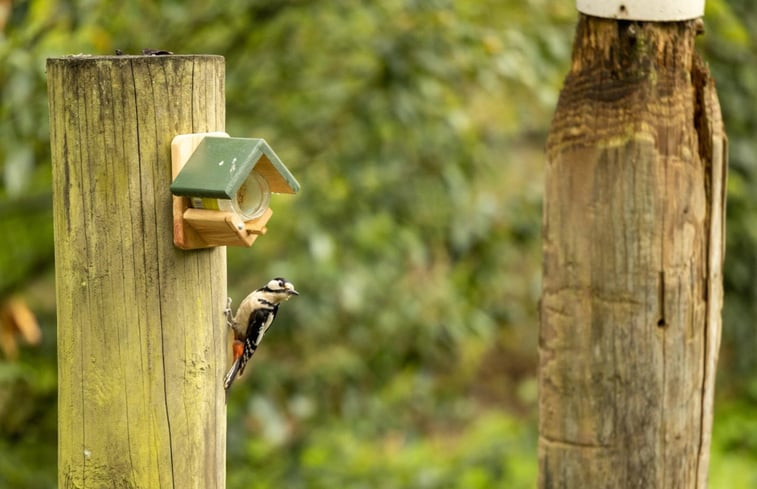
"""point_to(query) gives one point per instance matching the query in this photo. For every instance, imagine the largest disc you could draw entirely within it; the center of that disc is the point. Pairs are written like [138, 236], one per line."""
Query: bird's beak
[293, 292]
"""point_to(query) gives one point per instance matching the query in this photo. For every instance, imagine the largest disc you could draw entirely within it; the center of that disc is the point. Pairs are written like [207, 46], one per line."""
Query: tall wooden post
[141, 339]
[633, 246]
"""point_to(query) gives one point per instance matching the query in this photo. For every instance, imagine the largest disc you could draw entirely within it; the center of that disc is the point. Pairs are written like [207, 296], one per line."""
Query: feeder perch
[222, 187]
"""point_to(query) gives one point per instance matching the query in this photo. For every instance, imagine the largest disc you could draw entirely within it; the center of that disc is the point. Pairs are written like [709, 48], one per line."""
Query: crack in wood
[661, 300]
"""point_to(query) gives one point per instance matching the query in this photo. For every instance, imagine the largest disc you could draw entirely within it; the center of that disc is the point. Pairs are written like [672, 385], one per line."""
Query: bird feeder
[222, 188]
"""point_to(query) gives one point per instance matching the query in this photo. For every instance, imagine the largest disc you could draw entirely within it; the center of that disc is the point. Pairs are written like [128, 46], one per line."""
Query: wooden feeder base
[199, 228]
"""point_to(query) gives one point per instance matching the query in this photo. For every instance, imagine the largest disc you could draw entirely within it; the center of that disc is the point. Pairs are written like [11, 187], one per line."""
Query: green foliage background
[416, 130]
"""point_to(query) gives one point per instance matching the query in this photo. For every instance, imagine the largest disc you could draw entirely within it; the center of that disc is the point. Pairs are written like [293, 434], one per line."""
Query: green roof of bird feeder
[220, 165]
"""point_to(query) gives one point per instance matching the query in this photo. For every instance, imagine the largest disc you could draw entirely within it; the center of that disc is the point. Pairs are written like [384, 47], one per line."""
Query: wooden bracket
[200, 228]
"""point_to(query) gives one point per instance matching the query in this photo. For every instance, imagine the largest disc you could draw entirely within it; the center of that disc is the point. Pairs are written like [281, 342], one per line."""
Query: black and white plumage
[253, 318]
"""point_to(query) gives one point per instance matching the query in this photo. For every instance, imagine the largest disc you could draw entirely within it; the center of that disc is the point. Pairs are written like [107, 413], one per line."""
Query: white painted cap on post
[647, 10]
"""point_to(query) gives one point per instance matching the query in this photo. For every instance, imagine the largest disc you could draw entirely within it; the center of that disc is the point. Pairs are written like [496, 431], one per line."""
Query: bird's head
[279, 289]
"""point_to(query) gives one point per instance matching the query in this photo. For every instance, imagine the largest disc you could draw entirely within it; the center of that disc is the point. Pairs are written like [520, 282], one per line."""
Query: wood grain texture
[141, 337]
[633, 248]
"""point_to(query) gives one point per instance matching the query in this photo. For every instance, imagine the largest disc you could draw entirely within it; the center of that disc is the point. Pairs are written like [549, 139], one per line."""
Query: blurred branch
[5, 12]
[16, 319]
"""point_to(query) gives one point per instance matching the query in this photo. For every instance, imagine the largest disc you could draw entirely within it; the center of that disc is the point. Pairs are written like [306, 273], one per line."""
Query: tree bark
[633, 238]
[141, 338]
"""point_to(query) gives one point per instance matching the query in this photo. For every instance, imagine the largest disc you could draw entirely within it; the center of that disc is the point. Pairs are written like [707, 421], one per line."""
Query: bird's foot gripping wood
[229, 315]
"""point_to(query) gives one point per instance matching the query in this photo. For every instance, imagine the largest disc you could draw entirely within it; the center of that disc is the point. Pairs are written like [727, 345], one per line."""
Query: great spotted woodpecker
[253, 318]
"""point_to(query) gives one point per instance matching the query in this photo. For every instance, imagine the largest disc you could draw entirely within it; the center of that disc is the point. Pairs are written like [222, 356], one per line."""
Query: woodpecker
[253, 318]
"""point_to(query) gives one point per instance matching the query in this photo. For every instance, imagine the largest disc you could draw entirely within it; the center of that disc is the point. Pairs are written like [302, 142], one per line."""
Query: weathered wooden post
[633, 246]
[141, 338]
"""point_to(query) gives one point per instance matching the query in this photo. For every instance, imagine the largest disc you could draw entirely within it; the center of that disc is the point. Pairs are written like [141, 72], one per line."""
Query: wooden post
[141, 337]
[633, 246]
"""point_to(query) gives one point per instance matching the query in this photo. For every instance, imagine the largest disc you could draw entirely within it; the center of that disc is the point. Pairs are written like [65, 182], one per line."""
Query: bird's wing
[260, 321]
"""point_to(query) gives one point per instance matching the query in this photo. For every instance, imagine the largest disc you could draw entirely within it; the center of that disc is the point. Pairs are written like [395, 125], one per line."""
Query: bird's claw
[228, 314]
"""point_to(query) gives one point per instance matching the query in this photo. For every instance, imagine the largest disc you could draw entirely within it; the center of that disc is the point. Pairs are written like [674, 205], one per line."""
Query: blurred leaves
[495, 451]
[734, 443]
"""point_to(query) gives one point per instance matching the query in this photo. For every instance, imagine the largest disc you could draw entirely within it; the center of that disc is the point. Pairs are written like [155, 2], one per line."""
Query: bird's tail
[232, 373]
